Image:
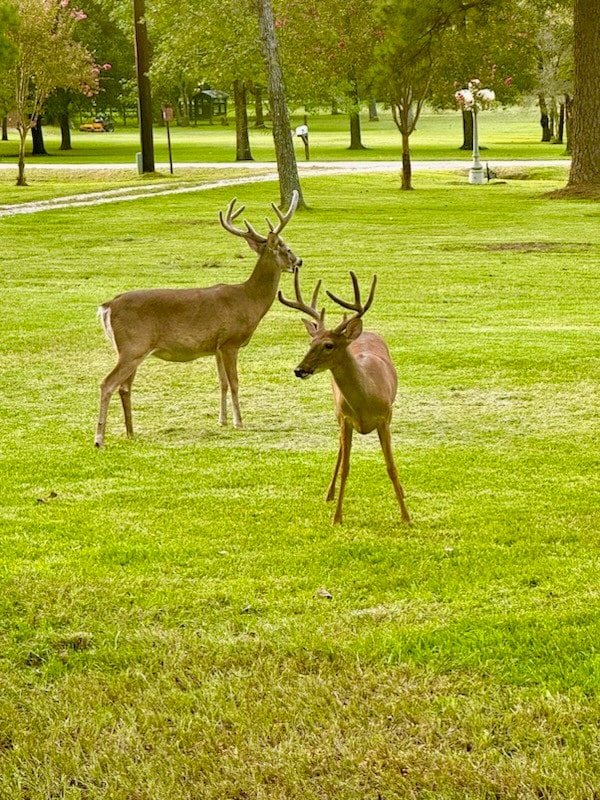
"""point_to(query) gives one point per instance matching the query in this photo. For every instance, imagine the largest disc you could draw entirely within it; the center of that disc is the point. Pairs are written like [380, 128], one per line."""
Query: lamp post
[476, 171]
[473, 99]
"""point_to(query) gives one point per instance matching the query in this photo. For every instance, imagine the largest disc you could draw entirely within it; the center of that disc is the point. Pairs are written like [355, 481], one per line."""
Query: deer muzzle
[300, 372]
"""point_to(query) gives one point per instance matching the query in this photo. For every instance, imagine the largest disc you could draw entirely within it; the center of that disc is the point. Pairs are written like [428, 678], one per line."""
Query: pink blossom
[107, 66]
[95, 71]
[508, 81]
[78, 15]
[64, 3]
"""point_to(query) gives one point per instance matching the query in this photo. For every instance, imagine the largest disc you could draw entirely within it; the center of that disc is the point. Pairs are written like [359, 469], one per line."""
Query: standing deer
[364, 381]
[184, 324]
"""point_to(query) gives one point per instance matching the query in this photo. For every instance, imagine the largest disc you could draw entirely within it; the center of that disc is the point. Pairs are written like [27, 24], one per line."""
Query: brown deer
[184, 324]
[364, 381]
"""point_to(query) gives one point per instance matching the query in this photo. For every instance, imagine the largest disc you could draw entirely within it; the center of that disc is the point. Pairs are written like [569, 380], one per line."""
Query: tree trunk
[355, 135]
[284, 145]
[142, 65]
[259, 117]
[373, 113]
[406, 164]
[242, 140]
[5, 129]
[21, 164]
[560, 128]
[545, 119]
[37, 138]
[585, 164]
[65, 132]
[568, 121]
[467, 122]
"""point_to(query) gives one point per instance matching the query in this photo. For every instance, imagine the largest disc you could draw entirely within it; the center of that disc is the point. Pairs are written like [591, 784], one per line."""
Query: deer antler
[227, 223]
[356, 306]
[300, 304]
[284, 218]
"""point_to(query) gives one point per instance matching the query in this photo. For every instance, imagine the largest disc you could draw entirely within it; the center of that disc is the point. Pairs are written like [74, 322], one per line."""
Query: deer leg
[229, 357]
[224, 383]
[386, 445]
[344, 457]
[115, 378]
[125, 393]
[331, 488]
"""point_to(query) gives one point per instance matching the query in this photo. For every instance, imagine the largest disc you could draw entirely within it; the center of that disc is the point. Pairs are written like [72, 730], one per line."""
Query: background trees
[48, 57]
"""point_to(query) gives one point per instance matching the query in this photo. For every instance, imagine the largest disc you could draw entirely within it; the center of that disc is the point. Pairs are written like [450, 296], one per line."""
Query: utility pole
[142, 65]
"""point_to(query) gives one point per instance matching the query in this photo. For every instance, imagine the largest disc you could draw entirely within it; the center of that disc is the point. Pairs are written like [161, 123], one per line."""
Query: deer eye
[328, 346]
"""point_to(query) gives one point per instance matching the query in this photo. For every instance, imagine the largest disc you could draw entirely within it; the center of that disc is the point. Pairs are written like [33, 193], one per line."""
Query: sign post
[167, 115]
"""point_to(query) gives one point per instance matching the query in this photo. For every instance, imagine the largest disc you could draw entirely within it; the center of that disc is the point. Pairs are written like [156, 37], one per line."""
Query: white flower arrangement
[473, 98]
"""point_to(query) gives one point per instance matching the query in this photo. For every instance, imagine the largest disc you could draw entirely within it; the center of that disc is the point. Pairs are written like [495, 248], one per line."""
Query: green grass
[505, 134]
[162, 634]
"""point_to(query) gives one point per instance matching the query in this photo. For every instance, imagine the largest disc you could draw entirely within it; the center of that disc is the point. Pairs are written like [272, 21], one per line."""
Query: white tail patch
[104, 317]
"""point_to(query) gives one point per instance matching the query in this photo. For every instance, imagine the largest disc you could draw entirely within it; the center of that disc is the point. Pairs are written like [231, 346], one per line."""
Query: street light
[473, 99]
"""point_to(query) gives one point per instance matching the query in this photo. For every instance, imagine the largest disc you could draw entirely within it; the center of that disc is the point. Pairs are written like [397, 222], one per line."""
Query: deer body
[364, 383]
[185, 324]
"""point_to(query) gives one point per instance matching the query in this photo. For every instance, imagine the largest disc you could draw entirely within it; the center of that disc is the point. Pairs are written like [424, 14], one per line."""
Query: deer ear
[354, 329]
[254, 245]
[311, 327]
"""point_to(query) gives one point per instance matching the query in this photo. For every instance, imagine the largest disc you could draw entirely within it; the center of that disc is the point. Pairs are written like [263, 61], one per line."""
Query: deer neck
[261, 286]
[350, 379]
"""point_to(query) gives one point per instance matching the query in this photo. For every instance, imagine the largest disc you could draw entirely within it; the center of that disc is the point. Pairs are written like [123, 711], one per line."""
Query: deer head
[328, 345]
[272, 244]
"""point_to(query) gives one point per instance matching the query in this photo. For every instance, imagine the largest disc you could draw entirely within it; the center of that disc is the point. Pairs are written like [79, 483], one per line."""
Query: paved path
[262, 172]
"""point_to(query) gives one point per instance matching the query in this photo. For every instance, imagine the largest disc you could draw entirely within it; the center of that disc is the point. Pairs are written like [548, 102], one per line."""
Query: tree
[284, 146]
[8, 53]
[585, 165]
[48, 58]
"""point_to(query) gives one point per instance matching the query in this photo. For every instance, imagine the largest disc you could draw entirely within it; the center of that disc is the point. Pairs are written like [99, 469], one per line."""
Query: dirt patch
[528, 247]
[586, 191]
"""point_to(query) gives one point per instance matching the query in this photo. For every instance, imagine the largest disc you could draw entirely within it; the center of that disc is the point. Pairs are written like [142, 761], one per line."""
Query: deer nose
[298, 262]
[301, 373]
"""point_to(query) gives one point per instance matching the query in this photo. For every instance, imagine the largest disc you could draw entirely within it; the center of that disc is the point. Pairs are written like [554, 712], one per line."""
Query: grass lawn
[505, 134]
[163, 633]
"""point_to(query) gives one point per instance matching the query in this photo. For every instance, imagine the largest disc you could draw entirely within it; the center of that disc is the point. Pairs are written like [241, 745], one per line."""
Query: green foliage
[162, 631]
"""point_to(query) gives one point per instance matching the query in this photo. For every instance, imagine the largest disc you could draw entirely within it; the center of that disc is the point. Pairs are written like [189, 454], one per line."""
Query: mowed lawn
[179, 618]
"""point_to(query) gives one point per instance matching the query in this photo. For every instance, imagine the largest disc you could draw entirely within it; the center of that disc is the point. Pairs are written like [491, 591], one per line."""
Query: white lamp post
[476, 171]
[473, 99]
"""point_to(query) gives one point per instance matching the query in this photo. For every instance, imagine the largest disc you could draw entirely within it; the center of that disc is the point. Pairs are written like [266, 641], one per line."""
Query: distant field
[178, 618]
[511, 133]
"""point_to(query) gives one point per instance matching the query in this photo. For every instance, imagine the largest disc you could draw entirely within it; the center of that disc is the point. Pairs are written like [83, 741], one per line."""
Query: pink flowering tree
[48, 58]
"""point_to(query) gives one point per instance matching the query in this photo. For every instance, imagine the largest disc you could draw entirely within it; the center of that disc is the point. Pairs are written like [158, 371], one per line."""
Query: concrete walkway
[261, 172]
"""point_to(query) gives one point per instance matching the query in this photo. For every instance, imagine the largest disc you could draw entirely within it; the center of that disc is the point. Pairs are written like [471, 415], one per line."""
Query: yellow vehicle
[99, 125]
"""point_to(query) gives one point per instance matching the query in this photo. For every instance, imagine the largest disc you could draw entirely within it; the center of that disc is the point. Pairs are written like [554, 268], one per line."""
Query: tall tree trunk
[560, 128]
[142, 65]
[284, 145]
[259, 117]
[467, 123]
[37, 138]
[355, 134]
[242, 139]
[373, 113]
[568, 121]
[544, 119]
[5, 129]
[585, 164]
[406, 163]
[21, 163]
[65, 132]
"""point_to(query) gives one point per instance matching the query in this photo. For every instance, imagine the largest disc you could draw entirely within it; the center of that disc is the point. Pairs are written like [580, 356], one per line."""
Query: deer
[182, 325]
[364, 381]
